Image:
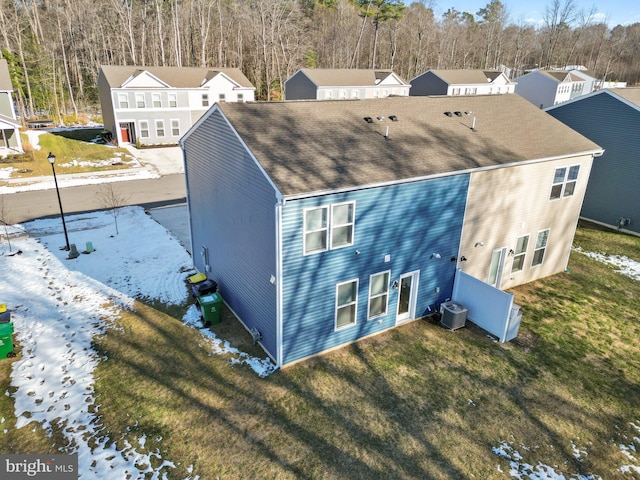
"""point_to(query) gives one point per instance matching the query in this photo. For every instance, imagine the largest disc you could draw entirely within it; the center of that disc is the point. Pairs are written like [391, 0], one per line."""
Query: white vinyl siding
[541, 246]
[346, 304]
[378, 294]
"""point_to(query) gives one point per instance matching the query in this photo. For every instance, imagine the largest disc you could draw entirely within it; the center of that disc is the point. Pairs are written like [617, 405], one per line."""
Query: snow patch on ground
[620, 263]
[59, 305]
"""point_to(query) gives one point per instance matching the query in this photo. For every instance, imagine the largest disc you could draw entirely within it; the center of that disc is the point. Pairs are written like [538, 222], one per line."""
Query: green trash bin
[211, 308]
[6, 341]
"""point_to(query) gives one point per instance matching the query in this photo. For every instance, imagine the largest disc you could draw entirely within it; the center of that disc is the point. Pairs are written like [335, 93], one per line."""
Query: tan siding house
[520, 221]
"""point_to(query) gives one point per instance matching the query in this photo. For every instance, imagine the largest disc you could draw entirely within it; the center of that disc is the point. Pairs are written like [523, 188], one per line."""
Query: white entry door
[496, 268]
[407, 295]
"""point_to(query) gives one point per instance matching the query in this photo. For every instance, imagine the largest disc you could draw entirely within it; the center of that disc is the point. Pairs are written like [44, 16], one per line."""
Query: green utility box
[211, 308]
[6, 340]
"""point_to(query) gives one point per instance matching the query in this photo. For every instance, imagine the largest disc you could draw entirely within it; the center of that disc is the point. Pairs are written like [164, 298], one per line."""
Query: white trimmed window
[342, 225]
[205, 99]
[328, 227]
[564, 182]
[173, 100]
[346, 304]
[240, 97]
[376, 93]
[144, 129]
[175, 127]
[222, 97]
[123, 100]
[354, 93]
[541, 246]
[159, 128]
[520, 253]
[327, 94]
[156, 100]
[378, 294]
[140, 100]
[455, 91]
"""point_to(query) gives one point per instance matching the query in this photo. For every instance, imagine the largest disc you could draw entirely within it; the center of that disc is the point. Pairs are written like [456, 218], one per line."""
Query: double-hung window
[328, 227]
[520, 253]
[564, 182]
[205, 100]
[140, 100]
[159, 128]
[541, 246]
[222, 97]
[123, 100]
[346, 303]
[378, 294]
[173, 100]
[144, 129]
[156, 100]
[175, 127]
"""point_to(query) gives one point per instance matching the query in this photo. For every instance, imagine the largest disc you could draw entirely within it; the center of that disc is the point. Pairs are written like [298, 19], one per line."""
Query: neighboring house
[594, 83]
[10, 141]
[343, 84]
[461, 82]
[157, 105]
[545, 88]
[612, 119]
[326, 222]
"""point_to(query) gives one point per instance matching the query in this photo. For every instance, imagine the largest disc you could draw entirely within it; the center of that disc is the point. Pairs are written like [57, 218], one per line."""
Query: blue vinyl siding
[232, 213]
[409, 222]
[613, 190]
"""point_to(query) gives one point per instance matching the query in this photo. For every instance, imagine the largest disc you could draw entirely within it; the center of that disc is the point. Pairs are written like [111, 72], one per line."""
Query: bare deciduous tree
[112, 199]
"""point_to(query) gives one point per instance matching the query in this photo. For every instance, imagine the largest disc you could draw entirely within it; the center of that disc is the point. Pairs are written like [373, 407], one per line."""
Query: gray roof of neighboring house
[464, 76]
[631, 94]
[319, 146]
[561, 75]
[177, 77]
[5, 79]
[344, 77]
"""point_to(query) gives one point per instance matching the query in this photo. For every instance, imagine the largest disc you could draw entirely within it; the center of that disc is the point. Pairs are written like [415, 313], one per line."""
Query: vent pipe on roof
[386, 134]
[473, 124]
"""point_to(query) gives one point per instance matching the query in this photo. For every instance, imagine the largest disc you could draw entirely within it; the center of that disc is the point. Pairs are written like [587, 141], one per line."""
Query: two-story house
[327, 222]
[461, 82]
[612, 119]
[10, 141]
[545, 88]
[343, 84]
[157, 105]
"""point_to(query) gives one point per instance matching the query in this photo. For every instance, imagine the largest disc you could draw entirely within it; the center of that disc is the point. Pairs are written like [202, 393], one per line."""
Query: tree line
[55, 47]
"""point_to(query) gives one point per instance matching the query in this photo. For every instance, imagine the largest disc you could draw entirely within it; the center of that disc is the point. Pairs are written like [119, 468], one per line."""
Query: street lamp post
[52, 159]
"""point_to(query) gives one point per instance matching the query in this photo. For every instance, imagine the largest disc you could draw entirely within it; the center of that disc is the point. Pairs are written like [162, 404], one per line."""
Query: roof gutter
[320, 193]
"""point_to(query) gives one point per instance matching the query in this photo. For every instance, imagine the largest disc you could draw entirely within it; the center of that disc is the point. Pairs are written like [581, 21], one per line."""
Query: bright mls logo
[36, 467]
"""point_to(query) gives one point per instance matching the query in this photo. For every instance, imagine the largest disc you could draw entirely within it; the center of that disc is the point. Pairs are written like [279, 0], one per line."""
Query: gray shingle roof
[338, 77]
[314, 146]
[631, 94]
[177, 77]
[464, 76]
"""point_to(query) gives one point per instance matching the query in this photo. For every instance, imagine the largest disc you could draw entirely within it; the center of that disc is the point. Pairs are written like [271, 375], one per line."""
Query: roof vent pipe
[473, 124]
[386, 134]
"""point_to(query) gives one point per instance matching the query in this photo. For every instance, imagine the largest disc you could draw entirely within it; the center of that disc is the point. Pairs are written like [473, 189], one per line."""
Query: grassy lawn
[74, 154]
[415, 402]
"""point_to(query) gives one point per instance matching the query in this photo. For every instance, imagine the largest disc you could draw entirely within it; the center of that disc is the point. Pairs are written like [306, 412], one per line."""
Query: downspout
[279, 281]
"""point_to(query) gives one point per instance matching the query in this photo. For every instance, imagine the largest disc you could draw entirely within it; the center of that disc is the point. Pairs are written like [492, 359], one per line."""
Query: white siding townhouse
[157, 105]
[461, 82]
[343, 84]
[545, 88]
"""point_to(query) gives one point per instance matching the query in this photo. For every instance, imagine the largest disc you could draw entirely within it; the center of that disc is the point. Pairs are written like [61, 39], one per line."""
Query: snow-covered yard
[58, 306]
